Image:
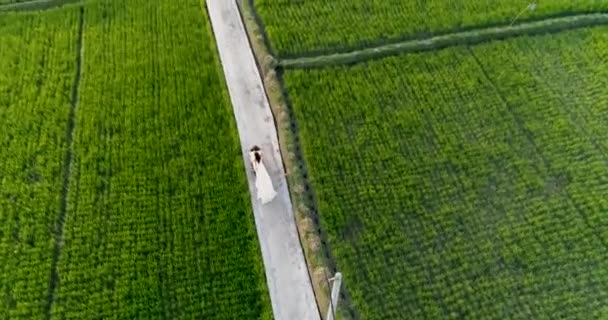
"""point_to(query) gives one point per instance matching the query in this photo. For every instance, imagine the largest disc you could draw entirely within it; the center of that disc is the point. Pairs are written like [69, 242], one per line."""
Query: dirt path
[459, 38]
[286, 274]
[35, 5]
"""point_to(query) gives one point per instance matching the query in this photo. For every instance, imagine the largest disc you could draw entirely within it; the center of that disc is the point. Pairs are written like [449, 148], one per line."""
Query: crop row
[158, 223]
[300, 27]
[36, 74]
[571, 83]
[464, 183]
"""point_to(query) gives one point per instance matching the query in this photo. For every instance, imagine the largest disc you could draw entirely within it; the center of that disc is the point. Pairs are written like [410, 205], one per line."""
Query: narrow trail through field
[35, 5]
[287, 276]
[67, 164]
[471, 37]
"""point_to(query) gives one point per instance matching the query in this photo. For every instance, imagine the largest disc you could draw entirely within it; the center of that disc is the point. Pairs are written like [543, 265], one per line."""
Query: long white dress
[263, 183]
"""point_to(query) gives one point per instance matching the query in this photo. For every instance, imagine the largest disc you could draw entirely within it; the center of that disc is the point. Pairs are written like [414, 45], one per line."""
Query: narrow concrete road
[289, 285]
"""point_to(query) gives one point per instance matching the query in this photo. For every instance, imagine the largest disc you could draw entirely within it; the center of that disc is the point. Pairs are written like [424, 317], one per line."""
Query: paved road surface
[287, 277]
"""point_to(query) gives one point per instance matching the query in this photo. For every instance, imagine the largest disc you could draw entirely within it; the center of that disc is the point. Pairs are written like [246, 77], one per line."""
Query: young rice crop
[37, 69]
[298, 27]
[467, 183]
[158, 223]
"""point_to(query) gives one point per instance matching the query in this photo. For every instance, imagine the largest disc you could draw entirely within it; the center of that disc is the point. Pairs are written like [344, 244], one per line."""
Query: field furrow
[37, 68]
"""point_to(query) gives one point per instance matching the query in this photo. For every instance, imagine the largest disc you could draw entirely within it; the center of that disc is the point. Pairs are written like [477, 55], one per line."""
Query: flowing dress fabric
[263, 183]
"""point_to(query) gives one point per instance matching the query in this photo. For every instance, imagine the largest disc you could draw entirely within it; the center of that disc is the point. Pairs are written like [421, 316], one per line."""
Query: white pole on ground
[531, 6]
[335, 294]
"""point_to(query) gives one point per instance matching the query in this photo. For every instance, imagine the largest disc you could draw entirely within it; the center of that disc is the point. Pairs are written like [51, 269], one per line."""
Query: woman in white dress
[263, 183]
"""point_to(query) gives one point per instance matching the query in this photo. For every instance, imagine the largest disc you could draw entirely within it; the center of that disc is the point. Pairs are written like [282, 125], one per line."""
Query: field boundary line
[471, 37]
[317, 251]
[67, 169]
[35, 5]
[375, 42]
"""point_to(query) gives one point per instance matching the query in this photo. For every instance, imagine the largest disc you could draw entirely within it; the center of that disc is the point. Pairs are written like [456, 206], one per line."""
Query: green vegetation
[12, 1]
[466, 183]
[157, 184]
[34, 5]
[453, 39]
[127, 198]
[302, 27]
[36, 76]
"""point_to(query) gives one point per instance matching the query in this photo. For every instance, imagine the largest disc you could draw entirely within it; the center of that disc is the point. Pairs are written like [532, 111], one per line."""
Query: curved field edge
[36, 5]
[310, 28]
[317, 252]
[466, 182]
[472, 37]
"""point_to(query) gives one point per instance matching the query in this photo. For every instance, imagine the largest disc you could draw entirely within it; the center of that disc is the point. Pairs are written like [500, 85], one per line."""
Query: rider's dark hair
[258, 157]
